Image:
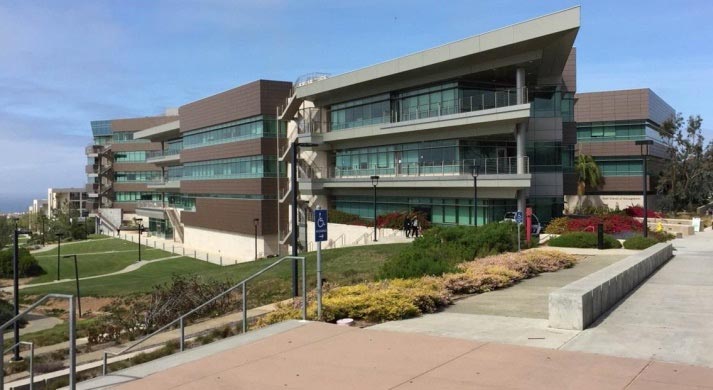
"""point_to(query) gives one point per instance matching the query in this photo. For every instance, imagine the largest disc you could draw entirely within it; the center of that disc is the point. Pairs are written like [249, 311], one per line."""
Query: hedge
[583, 240]
[640, 242]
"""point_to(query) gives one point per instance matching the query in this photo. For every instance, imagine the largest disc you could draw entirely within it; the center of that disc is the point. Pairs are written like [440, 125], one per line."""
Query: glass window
[248, 128]
[232, 168]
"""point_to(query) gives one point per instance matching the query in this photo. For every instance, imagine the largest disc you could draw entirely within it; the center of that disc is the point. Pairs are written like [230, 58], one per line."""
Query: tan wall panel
[233, 215]
[612, 105]
[127, 207]
[264, 146]
[256, 98]
[130, 187]
[136, 124]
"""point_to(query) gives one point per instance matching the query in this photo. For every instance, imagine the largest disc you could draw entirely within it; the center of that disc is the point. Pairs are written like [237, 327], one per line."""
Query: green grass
[93, 245]
[91, 264]
[55, 335]
[340, 266]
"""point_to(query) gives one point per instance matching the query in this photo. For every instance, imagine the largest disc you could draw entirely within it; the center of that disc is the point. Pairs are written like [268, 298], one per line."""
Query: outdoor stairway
[176, 223]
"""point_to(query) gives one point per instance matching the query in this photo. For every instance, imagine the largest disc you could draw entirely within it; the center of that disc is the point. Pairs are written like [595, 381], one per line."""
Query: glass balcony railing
[154, 154]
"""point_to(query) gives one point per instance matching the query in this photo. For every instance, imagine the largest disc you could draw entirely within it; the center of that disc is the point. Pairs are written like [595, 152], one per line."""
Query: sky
[66, 63]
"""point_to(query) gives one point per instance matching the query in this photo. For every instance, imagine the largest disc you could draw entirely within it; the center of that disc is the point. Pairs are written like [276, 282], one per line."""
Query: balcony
[506, 172]
[164, 157]
[93, 150]
[166, 184]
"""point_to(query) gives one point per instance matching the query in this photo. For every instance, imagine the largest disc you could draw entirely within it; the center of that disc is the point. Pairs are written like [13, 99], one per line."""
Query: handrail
[72, 338]
[32, 359]
[181, 322]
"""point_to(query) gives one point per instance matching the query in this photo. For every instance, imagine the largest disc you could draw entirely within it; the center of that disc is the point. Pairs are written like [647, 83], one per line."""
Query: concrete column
[520, 131]
[520, 85]
[521, 197]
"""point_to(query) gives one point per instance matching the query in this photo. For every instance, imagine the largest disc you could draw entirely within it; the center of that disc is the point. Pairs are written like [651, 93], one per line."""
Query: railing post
[183, 334]
[304, 289]
[104, 365]
[245, 310]
[2, 362]
[32, 366]
[72, 345]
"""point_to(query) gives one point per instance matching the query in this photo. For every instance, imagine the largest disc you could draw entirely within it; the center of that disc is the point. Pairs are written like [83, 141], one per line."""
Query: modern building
[608, 125]
[117, 171]
[500, 104]
[219, 170]
[68, 200]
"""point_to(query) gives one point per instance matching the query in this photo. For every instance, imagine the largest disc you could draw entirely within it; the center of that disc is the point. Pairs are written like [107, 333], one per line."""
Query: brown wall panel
[623, 184]
[630, 104]
[130, 187]
[233, 215]
[136, 124]
[232, 186]
[127, 207]
[569, 73]
[253, 147]
[135, 146]
[256, 98]
[619, 148]
[135, 167]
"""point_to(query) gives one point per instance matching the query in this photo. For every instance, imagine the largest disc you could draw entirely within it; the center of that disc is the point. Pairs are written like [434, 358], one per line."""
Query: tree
[588, 172]
[687, 180]
[6, 226]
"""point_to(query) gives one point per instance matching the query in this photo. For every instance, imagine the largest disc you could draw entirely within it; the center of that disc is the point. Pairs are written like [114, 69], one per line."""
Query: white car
[535, 228]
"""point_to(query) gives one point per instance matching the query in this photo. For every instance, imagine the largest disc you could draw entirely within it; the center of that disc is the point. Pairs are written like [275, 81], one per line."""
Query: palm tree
[589, 174]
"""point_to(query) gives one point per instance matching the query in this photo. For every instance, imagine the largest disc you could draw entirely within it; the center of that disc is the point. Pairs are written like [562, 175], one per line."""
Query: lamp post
[42, 219]
[15, 289]
[644, 144]
[256, 221]
[76, 278]
[59, 243]
[374, 183]
[476, 169]
[139, 222]
[293, 214]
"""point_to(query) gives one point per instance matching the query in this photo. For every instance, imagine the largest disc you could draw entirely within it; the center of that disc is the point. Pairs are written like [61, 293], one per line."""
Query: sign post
[320, 234]
[518, 220]
[528, 225]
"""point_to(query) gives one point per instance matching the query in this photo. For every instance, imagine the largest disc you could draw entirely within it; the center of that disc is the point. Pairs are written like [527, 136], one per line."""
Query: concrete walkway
[669, 317]
[317, 356]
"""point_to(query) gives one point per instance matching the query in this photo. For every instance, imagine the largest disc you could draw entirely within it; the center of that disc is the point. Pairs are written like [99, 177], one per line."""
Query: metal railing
[182, 319]
[150, 204]
[32, 359]
[72, 339]
[486, 166]
[162, 153]
[309, 120]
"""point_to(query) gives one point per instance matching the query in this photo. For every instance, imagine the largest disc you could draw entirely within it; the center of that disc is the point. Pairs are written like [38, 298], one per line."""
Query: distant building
[67, 200]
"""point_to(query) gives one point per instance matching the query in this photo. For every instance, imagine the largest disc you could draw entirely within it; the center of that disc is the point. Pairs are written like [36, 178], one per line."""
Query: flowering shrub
[396, 299]
[395, 220]
[557, 225]
[638, 212]
[613, 224]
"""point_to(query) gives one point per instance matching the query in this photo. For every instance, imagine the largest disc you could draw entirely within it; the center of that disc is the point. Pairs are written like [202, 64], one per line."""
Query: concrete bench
[580, 303]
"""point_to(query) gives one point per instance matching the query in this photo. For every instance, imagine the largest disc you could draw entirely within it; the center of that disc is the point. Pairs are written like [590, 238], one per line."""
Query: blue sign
[320, 225]
[518, 217]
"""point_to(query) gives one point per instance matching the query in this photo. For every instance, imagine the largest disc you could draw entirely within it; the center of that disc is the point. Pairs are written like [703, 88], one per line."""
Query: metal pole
[375, 237]
[518, 236]
[43, 230]
[72, 346]
[277, 162]
[245, 310]
[139, 241]
[304, 289]
[16, 295]
[104, 365]
[255, 240]
[319, 280]
[293, 179]
[2, 362]
[76, 277]
[32, 366]
[475, 198]
[181, 342]
[59, 242]
[646, 203]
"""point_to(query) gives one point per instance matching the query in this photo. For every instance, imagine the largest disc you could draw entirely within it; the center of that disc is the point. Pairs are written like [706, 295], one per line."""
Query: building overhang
[543, 44]
[164, 132]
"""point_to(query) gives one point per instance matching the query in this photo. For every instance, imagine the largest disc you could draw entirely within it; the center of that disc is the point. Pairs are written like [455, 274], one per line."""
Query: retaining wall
[580, 303]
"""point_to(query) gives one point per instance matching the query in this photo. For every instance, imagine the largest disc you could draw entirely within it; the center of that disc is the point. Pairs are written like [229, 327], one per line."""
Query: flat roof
[554, 23]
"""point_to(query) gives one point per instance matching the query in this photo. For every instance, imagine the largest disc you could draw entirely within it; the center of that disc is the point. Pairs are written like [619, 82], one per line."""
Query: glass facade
[361, 112]
[248, 128]
[617, 131]
[550, 102]
[124, 196]
[427, 157]
[427, 102]
[102, 140]
[620, 167]
[160, 228]
[231, 168]
[138, 177]
[444, 211]
[550, 156]
[129, 157]
[126, 136]
[101, 128]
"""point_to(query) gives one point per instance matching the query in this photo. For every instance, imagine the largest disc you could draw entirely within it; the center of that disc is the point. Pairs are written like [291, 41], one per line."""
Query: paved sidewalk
[323, 356]
[669, 317]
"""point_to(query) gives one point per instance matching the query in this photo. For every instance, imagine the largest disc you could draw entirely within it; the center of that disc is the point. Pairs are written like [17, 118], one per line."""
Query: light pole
[293, 214]
[15, 287]
[42, 219]
[644, 154]
[476, 169]
[256, 221]
[76, 278]
[374, 183]
[139, 222]
[59, 242]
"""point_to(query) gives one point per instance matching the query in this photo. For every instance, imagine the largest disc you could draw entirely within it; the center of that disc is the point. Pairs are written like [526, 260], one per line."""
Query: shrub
[336, 216]
[613, 224]
[638, 211]
[583, 240]
[7, 311]
[639, 242]
[557, 226]
[27, 265]
[662, 236]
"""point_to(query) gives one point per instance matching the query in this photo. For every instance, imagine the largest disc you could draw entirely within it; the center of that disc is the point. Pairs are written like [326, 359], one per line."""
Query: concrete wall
[341, 235]
[240, 247]
[612, 201]
[580, 303]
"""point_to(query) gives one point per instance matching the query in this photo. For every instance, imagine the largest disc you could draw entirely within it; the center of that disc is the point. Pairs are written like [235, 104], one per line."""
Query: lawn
[340, 266]
[90, 263]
